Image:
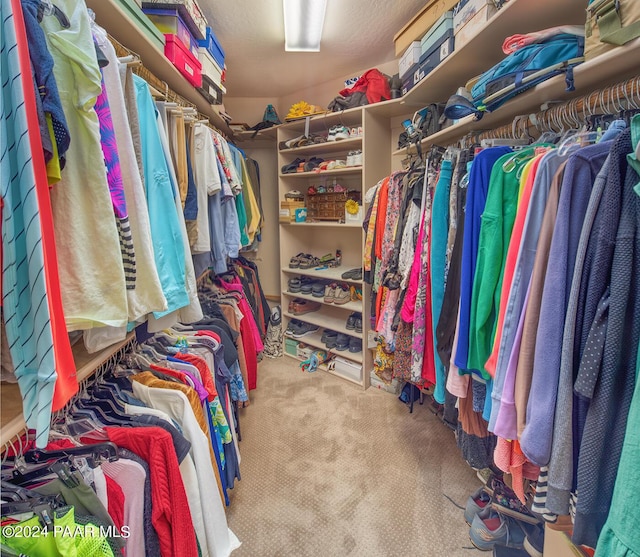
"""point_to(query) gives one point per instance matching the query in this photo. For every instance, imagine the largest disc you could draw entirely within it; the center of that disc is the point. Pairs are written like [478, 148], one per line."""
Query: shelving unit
[314, 340]
[111, 16]
[347, 237]
[11, 418]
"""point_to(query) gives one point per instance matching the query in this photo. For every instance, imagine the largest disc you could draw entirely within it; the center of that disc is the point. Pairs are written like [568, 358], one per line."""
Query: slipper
[323, 166]
[292, 167]
[312, 164]
[294, 262]
[289, 144]
[308, 261]
[334, 165]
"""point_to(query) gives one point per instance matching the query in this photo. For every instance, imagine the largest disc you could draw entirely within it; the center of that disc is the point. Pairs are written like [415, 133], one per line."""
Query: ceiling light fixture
[303, 22]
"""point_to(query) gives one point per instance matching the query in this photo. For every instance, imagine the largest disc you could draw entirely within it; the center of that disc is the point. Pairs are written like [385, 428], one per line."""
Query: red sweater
[170, 516]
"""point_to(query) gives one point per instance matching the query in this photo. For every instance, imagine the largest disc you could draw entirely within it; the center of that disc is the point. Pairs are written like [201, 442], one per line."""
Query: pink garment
[506, 424]
[457, 385]
[508, 456]
[409, 306]
[516, 42]
[245, 308]
[385, 319]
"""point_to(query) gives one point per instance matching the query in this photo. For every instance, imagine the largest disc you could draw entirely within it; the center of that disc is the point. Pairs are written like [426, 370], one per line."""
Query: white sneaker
[332, 133]
[341, 132]
[350, 159]
[357, 157]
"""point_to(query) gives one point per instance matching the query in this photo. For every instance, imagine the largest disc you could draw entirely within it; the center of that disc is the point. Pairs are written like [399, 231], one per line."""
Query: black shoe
[358, 324]
[355, 345]
[342, 342]
[534, 539]
[329, 338]
[351, 321]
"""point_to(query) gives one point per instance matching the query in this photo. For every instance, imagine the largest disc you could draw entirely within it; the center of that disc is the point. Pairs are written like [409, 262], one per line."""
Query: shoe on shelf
[307, 287]
[330, 293]
[358, 324]
[342, 342]
[351, 321]
[329, 338]
[490, 528]
[342, 294]
[298, 306]
[317, 290]
[353, 274]
[337, 164]
[341, 132]
[294, 285]
[312, 164]
[293, 327]
[294, 262]
[476, 503]
[355, 345]
[332, 133]
[534, 539]
[292, 167]
[305, 329]
[290, 144]
[357, 157]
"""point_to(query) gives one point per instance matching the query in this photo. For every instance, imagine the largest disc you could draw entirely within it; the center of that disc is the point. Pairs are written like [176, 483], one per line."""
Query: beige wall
[267, 257]
[250, 110]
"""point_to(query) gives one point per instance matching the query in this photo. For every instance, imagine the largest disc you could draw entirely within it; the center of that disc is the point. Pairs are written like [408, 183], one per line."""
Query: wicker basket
[329, 206]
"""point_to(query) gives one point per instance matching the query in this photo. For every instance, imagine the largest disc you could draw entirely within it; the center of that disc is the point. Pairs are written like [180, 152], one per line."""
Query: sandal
[292, 167]
[323, 166]
[312, 164]
[308, 261]
[294, 262]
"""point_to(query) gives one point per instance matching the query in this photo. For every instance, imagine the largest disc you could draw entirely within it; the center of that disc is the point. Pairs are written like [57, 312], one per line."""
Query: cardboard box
[394, 387]
[288, 210]
[291, 346]
[212, 44]
[408, 59]
[469, 10]
[169, 22]
[474, 24]
[421, 23]
[428, 62]
[442, 28]
[210, 67]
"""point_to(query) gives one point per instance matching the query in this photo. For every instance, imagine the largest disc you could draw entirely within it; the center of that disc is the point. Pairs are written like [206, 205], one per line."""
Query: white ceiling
[357, 35]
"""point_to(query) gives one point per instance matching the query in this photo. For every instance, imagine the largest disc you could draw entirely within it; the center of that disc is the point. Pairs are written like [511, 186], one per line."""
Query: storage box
[428, 62]
[210, 68]
[476, 21]
[409, 58]
[210, 91]
[189, 11]
[354, 219]
[394, 387]
[442, 28]
[304, 351]
[181, 57]
[464, 12]
[291, 346]
[288, 210]
[348, 368]
[135, 13]
[421, 23]
[169, 22]
[211, 43]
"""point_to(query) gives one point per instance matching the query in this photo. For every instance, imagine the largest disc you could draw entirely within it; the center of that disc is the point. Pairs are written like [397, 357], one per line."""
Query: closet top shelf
[483, 51]
[612, 66]
[111, 16]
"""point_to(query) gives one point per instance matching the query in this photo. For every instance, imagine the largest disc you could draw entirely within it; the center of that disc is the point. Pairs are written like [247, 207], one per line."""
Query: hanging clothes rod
[571, 114]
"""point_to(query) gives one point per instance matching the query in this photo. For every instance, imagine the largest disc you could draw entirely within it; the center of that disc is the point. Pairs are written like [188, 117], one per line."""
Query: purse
[610, 23]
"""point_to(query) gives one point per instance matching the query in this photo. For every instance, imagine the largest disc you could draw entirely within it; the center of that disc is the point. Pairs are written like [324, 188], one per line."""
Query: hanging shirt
[207, 180]
[168, 246]
[475, 202]
[92, 280]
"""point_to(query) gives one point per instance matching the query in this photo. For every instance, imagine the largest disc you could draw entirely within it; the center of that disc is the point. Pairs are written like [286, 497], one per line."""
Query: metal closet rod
[574, 113]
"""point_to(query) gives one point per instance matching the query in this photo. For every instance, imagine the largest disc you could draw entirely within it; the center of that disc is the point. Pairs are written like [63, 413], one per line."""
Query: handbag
[610, 23]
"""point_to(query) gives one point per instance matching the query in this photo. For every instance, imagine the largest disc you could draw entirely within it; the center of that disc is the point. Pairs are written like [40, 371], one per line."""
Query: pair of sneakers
[299, 329]
[493, 530]
[354, 322]
[354, 158]
[337, 293]
[338, 132]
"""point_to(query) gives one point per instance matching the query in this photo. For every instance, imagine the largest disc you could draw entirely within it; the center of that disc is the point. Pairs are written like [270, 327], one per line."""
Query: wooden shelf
[326, 369]
[350, 306]
[336, 172]
[12, 420]
[111, 16]
[610, 67]
[314, 340]
[330, 274]
[323, 319]
[326, 147]
[483, 51]
[322, 122]
[326, 224]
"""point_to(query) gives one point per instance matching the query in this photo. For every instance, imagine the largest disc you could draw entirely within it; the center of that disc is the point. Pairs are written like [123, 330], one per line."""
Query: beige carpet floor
[330, 470]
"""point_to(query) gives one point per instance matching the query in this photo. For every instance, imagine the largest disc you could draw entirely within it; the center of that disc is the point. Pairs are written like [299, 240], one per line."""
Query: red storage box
[182, 58]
